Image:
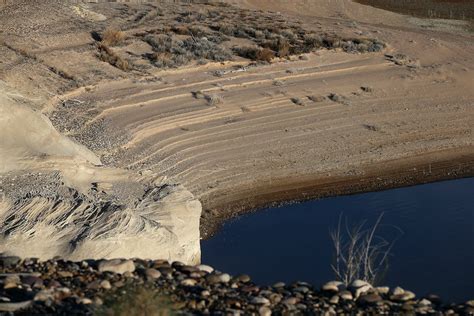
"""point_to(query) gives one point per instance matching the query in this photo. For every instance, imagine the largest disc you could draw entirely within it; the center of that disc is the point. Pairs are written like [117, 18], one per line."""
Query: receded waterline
[435, 254]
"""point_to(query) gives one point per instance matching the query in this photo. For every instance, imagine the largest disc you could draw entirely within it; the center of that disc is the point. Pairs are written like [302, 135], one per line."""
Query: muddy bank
[430, 167]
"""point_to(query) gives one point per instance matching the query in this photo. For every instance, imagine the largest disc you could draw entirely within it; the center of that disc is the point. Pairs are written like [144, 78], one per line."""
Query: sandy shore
[322, 124]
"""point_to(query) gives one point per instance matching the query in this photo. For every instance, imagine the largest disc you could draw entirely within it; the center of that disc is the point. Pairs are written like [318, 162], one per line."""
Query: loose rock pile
[80, 288]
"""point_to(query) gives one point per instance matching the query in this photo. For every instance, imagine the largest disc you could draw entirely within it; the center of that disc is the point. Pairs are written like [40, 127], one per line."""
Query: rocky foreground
[83, 288]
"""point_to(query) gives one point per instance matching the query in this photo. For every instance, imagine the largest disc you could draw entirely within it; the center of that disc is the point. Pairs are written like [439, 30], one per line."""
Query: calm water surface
[435, 254]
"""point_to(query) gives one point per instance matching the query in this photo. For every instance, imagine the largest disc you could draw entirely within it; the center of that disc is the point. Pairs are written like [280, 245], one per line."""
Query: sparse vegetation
[112, 37]
[213, 99]
[372, 127]
[367, 89]
[137, 301]
[359, 253]
[338, 98]
[106, 54]
[316, 98]
[297, 101]
[184, 36]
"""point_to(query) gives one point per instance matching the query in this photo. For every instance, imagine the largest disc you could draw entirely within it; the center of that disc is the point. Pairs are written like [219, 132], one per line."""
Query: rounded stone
[264, 311]
[224, 278]
[332, 286]
[424, 302]
[166, 270]
[359, 283]
[152, 273]
[116, 266]
[361, 290]
[212, 278]
[398, 291]
[43, 296]
[105, 285]
[32, 281]
[188, 282]
[405, 296]
[346, 295]
[260, 301]
[290, 301]
[244, 278]
[334, 300]
[65, 274]
[370, 299]
[205, 268]
[85, 301]
[384, 290]
[275, 298]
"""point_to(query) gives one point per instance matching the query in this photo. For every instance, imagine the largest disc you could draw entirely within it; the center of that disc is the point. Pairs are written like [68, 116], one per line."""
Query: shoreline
[421, 169]
[118, 287]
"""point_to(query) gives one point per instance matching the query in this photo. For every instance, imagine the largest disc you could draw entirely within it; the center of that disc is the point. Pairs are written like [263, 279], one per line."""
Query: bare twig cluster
[360, 254]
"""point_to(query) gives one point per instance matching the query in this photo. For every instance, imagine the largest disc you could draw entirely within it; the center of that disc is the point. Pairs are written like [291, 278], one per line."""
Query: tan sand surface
[327, 123]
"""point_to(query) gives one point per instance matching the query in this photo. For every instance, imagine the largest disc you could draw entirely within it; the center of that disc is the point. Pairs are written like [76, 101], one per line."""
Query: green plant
[141, 301]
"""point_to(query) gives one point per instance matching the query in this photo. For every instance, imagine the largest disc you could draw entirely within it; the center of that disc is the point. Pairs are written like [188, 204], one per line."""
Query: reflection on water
[434, 255]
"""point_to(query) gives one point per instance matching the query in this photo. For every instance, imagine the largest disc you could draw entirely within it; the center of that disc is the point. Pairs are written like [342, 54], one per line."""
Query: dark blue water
[435, 254]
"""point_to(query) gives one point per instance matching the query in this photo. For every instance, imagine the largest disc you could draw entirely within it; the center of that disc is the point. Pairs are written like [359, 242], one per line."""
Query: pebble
[260, 301]
[361, 290]
[384, 290]
[290, 301]
[358, 283]
[333, 286]
[13, 307]
[369, 299]
[199, 291]
[264, 311]
[65, 274]
[105, 285]
[85, 301]
[166, 271]
[301, 289]
[244, 278]
[152, 273]
[334, 300]
[11, 281]
[346, 295]
[224, 278]
[398, 291]
[118, 266]
[405, 296]
[205, 268]
[43, 296]
[424, 302]
[188, 282]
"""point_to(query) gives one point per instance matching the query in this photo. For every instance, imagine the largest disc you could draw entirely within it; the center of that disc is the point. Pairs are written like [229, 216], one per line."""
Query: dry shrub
[297, 101]
[283, 48]
[213, 99]
[180, 30]
[316, 98]
[265, 54]
[108, 55]
[112, 37]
